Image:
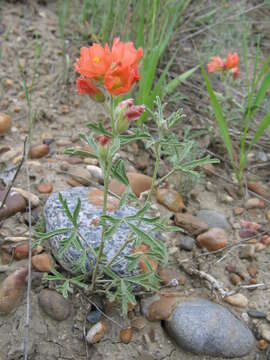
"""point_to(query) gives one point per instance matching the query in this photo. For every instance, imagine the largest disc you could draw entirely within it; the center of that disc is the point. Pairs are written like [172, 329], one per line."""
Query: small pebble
[54, 304]
[94, 316]
[252, 270]
[262, 344]
[235, 279]
[238, 211]
[39, 151]
[256, 314]
[45, 188]
[126, 335]
[5, 123]
[247, 252]
[43, 262]
[238, 300]
[138, 323]
[213, 239]
[96, 333]
[254, 203]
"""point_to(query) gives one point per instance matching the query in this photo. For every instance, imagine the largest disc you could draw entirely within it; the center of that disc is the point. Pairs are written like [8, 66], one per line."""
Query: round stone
[203, 327]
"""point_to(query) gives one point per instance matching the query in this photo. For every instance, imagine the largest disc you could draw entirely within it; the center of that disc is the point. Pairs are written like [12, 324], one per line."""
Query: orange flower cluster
[231, 63]
[116, 69]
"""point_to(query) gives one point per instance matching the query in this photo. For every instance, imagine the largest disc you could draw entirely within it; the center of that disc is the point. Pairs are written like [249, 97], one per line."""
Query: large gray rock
[55, 218]
[203, 327]
[214, 219]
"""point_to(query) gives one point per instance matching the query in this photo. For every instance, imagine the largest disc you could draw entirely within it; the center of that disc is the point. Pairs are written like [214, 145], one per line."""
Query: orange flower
[231, 61]
[85, 86]
[123, 72]
[216, 64]
[125, 53]
[94, 61]
[119, 80]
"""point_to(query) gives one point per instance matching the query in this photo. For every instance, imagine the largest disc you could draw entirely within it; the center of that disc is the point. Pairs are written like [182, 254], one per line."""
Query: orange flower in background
[85, 86]
[94, 61]
[232, 61]
[216, 64]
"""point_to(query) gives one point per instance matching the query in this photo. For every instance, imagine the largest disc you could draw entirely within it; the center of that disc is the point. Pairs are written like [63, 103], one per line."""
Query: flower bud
[126, 112]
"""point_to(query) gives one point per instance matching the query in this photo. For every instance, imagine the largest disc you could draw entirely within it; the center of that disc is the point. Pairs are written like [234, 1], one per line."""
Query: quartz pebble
[96, 333]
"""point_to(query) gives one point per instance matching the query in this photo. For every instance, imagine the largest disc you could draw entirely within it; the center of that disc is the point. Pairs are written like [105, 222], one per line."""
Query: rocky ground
[222, 256]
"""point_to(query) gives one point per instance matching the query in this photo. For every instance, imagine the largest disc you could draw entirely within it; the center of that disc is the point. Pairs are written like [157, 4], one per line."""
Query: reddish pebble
[45, 188]
[265, 240]
[5, 123]
[39, 151]
[252, 270]
[254, 203]
[213, 239]
[42, 262]
[262, 344]
[126, 335]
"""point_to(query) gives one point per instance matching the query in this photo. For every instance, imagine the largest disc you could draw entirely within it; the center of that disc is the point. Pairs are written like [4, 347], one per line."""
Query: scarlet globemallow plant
[104, 74]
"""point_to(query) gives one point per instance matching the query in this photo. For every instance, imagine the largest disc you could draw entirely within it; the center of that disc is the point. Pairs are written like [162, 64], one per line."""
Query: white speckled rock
[55, 218]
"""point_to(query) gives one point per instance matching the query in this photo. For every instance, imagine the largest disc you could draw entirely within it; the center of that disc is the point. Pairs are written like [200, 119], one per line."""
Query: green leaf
[119, 171]
[79, 152]
[76, 212]
[65, 207]
[172, 85]
[89, 140]
[261, 129]
[112, 229]
[219, 116]
[99, 129]
[265, 85]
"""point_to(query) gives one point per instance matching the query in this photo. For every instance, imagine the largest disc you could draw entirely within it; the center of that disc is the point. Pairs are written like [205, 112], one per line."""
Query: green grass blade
[172, 85]
[219, 116]
[261, 129]
[265, 85]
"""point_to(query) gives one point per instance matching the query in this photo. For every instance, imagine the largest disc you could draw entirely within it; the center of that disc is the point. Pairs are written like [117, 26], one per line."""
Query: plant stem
[150, 193]
[105, 199]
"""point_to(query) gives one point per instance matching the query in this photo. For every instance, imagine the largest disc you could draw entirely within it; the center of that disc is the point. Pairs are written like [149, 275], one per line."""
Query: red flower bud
[236, 72]
[103, 140]
[134, 112]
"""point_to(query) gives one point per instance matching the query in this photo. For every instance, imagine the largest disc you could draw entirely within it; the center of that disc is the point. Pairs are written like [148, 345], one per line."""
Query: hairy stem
[105, 200]
[150, 193]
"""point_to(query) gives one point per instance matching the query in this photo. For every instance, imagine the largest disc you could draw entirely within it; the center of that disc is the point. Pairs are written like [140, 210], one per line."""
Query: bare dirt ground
[61, 115]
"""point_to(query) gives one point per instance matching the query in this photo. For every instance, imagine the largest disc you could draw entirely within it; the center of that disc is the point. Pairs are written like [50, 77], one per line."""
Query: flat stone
[205, 328]
[190, 223]
[256, 314]
[91, 210]
[214, 219]
[14, 203]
